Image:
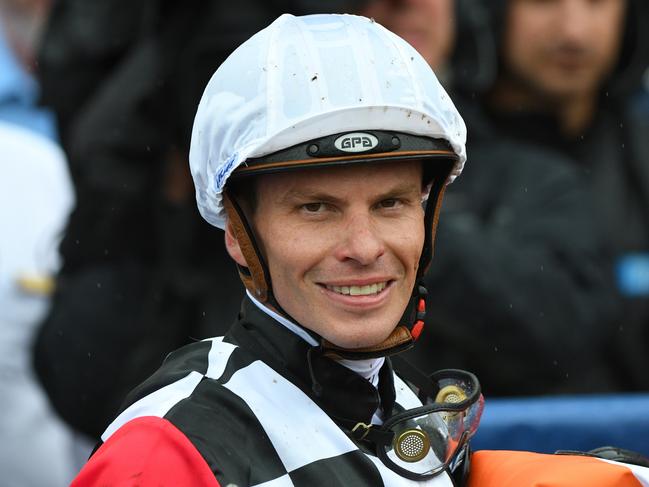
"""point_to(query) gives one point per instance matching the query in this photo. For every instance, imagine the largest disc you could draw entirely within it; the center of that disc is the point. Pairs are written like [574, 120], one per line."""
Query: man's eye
[313, 207]
[389, 203]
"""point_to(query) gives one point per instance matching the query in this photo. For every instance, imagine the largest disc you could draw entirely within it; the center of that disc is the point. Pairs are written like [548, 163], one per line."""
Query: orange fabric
[146, 452]
[526, 469]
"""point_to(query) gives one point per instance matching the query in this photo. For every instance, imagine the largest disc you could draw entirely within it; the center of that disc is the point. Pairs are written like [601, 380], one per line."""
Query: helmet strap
[401, 339]
[431, 219]
[255, 277]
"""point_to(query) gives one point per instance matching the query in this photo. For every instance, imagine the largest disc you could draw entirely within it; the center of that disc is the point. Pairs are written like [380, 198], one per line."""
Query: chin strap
[402, 337]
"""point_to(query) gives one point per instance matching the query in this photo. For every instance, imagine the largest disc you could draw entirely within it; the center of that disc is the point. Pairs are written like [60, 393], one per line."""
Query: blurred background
[540, 281]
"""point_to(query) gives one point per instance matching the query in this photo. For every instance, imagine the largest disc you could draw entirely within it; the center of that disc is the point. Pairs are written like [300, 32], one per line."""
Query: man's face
[343, 246]
[427, 25]
[562, 48]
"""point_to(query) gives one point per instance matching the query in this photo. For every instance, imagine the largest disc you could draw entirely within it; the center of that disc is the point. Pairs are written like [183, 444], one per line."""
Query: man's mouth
[366, 290]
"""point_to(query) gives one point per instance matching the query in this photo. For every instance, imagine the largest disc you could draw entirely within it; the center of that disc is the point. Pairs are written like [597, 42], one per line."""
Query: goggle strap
[416, 377]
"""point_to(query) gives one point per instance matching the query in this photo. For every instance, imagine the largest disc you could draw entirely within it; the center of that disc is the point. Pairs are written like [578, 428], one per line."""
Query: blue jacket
[19, 94]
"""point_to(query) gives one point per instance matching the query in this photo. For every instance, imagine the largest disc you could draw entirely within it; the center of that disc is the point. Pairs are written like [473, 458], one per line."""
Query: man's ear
[232, 244]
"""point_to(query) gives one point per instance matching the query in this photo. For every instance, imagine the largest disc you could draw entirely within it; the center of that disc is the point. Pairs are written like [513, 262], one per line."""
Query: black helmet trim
[349, 147]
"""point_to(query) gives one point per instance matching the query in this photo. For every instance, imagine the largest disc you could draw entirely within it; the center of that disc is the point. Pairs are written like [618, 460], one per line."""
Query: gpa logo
[356, 142]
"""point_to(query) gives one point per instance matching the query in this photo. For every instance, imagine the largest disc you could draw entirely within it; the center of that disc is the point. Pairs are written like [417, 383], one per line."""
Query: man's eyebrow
[307, 194]
[316, 194]
[403, 189]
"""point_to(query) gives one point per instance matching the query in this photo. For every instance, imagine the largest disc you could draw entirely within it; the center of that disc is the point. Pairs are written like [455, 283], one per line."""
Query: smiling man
[322, 146]
[335, 246]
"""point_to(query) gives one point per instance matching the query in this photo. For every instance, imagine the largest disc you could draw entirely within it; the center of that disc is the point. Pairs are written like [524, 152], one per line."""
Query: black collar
[344, 395]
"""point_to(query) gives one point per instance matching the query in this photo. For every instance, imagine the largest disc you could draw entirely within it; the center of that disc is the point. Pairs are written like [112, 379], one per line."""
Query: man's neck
[368, 368]
[573, 113]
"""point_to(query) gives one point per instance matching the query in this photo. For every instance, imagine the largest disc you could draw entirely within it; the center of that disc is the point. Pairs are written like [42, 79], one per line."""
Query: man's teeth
[359, 290]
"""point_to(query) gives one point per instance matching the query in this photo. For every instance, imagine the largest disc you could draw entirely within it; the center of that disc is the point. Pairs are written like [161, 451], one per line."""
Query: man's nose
[574, 19]
[361, 241]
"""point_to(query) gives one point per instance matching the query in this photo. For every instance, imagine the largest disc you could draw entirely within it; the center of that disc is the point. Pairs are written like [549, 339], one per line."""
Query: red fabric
[526, 469]
[146, 452]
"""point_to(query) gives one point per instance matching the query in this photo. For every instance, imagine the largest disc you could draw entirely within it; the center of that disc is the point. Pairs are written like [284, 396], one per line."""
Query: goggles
[420, 443]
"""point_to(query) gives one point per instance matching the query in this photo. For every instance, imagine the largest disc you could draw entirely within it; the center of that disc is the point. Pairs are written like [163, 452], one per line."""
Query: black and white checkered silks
[254, 427]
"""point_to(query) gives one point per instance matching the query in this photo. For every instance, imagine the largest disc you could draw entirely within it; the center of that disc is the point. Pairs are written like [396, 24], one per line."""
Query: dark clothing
[246, 403]
[82, 44]
[143, 274]
[518, 286]
[612, 157]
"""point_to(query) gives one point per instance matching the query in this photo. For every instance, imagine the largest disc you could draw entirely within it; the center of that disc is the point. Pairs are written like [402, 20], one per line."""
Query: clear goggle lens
[428, 439]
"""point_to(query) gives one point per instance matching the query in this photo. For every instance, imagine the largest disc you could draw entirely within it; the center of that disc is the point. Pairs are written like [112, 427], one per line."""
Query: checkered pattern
[254, 427]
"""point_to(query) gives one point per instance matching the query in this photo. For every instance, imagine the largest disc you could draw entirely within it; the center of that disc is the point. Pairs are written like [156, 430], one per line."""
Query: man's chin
[358, 342]
[564, 87]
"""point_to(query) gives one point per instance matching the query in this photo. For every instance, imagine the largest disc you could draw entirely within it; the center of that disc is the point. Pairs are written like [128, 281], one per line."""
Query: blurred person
[519, 292]
[566, 72]
[427, 25]
[25, 28]
[19, 90]
[36, 196]
[142, 273]
[83, 44]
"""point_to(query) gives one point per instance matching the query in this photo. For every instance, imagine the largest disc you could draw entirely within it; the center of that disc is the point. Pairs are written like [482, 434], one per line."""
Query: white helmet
[302, 78]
